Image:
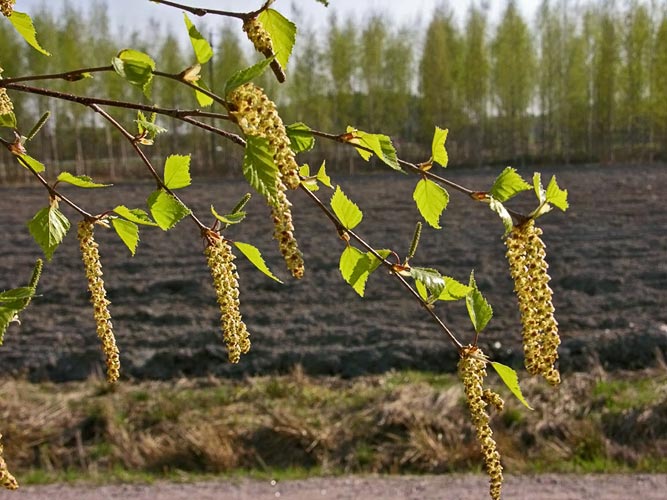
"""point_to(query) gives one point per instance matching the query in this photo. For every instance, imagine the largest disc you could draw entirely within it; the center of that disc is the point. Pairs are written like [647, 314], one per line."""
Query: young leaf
[8, 120]
[23, 24]
[322, 175]
[539, 189]
[557, 196]
[379, 144]
[430, 278]
[203, 50]
[348, 261]
[13, 302]
[282, 32]
[508, 184]
[479, 310]
[136, 215]
[259, 168]
[245, 75]
[177, 171]
[82, 181]
[255, 257]
[48, 227]
[363, 269]
[136, 67]
[438, 151]
[128, 232]
[454, 290]
[166, 210]
[431, 201]
[310, 183]
[511, 380]
[148, 130]
[36, 165]
[204, 100]
[349, 214]
[300, 136]
[500, 209]
[229, 219]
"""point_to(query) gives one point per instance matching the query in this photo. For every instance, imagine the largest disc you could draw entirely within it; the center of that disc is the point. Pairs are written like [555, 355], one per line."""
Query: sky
[134, 14]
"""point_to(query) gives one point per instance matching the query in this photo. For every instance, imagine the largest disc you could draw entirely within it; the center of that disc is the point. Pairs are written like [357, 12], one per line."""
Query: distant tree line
[578, 83]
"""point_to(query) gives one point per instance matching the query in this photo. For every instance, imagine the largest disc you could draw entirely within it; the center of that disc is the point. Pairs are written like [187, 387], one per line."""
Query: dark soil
[607, 259]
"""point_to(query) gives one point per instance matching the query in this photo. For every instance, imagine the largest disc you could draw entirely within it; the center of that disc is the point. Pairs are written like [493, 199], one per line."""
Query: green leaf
[128, 232]
[454, 290]
[255, 257]
[259, 167]
[479, 310]
[48, 227]
[348, 261]
[136, 67]
[36, 165]
[203, 50]
[147, 128]
[136, 215]
[82, 181]
[430, 278]
[8, 120]
[177, 171]
[438, 151]
[363, 269]
[229, 219]
[322, 175]
[245, 75]
[17, 294]
[432, 200]
[23, 24]
[300, 136]
[539, 189]
[13, 302]
[282, 32]
[507, 185]
[204, 100]
[557, 196]
[166, 209]
[349, 214]
[511, 380]
[500, 209]
[379, 144]
[310, 183]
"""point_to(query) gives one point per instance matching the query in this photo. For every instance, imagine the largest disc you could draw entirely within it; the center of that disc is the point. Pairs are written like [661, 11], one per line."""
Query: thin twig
[145, 160]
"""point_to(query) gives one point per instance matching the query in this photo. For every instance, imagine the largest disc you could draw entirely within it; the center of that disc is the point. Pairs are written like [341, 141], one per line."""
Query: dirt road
[450, 487]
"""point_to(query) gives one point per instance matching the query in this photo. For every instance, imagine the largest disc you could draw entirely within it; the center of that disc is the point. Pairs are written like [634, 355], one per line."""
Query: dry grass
[397, 422]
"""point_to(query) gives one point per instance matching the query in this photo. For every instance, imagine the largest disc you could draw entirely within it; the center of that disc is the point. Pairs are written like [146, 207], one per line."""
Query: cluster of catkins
[526, 256]
[472, 371]
[257, 116]
[7, 7]
[7, 480]
[225, 280]
[98, 296]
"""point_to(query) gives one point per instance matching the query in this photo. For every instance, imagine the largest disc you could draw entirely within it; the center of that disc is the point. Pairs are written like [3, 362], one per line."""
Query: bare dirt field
[450, 487]
[607, 256]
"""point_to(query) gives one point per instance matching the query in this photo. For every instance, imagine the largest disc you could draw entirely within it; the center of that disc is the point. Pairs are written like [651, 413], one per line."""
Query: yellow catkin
[7, 7]
[220, 261]
[98, 296]
[472, 371]
[7, 480]
[259, 37]
[256, 115]
[526, 255]
[6, 105]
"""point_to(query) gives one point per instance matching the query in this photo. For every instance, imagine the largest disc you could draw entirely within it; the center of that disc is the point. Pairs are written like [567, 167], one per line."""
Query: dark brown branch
[340, 228]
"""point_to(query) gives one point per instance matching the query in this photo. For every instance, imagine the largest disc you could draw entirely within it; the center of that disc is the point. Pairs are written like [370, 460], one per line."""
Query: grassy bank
[292, 426]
